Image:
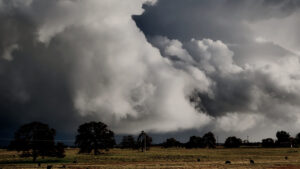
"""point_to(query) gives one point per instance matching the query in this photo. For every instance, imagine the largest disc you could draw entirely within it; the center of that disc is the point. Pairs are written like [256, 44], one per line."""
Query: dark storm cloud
[66, 62]
[215, 19]
[262, 82]
[35, 81]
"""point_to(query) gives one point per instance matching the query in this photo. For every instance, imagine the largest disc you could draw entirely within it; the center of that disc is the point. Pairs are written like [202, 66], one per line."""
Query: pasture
[275, 158]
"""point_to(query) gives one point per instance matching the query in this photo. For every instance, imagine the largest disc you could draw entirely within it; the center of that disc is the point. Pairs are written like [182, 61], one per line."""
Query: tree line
[38, 139]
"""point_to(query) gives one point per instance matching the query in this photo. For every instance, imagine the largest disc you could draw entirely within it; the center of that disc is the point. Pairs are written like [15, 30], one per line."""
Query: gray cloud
[259, 90]
[77, 63]
[66, 62]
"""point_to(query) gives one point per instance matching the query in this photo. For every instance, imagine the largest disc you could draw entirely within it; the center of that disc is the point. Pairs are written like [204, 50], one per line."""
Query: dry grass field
[164, 158]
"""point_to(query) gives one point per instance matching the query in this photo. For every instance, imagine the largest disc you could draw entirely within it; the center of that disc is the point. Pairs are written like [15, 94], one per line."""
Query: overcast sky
[174, 68]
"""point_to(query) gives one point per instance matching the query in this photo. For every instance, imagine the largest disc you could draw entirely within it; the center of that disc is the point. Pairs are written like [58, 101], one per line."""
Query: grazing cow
[251, 161]
[227, 162]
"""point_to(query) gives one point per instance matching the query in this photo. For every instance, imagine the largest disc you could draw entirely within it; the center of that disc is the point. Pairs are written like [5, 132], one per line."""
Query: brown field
[164, 158]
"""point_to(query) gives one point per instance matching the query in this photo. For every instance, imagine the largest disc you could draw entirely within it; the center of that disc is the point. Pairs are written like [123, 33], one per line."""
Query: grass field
[164, 158]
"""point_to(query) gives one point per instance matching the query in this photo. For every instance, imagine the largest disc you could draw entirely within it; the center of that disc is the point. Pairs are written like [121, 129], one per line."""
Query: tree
[195, 142]
[60, 150]
[171, 142]
[144, 141]
[128, 142]
[268, 142]
[94, 136]
[209, 140]
[36, 139]
[297, 140]
[283, 139]
[232, 142]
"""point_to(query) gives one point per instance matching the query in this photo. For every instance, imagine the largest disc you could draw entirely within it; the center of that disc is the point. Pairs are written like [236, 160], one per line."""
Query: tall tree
[144, 141]
[94, 136]
[36, 139]
[297, 139]
[283, 139]
[209, 140]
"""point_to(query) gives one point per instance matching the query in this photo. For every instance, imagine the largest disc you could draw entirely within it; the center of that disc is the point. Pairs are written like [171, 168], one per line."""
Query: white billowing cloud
[118, 77]
[238, 122]
[213, 56]
[242, 97]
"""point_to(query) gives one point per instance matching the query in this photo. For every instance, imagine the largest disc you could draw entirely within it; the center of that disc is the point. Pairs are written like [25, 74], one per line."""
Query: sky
[173, 68]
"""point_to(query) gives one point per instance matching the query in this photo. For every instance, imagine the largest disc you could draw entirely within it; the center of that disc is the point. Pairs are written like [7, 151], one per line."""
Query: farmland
[164, 158]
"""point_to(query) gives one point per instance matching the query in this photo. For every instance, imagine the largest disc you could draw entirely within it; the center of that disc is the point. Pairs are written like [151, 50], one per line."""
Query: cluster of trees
[143, 142]
[208, 140]
[283, 140]
[37, 139]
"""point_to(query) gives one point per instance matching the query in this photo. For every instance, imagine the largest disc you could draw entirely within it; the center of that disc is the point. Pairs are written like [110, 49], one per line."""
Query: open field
[164, 158]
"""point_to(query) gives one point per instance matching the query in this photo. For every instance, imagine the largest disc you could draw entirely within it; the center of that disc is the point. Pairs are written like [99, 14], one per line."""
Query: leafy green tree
[36, 139]
[94, 136]
[233, 142]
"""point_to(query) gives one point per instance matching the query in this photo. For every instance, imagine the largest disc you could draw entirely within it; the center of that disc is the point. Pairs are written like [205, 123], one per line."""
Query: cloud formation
[170, 66]
[247, 51]
[77, 62]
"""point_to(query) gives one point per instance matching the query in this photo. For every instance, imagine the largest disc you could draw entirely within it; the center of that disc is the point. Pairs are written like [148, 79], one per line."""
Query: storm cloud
[249, 50]
[165, 66]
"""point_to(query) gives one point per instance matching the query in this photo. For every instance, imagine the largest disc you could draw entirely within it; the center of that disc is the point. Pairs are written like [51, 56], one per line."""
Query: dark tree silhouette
[60, 150]
[36, 139]
[297, 140]
[232, 142]
[209, 140]
[171, 142]
[94, 136]
[144, 141]
[195, 142]
[268, 142]
[283, 139]
[128, 142]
